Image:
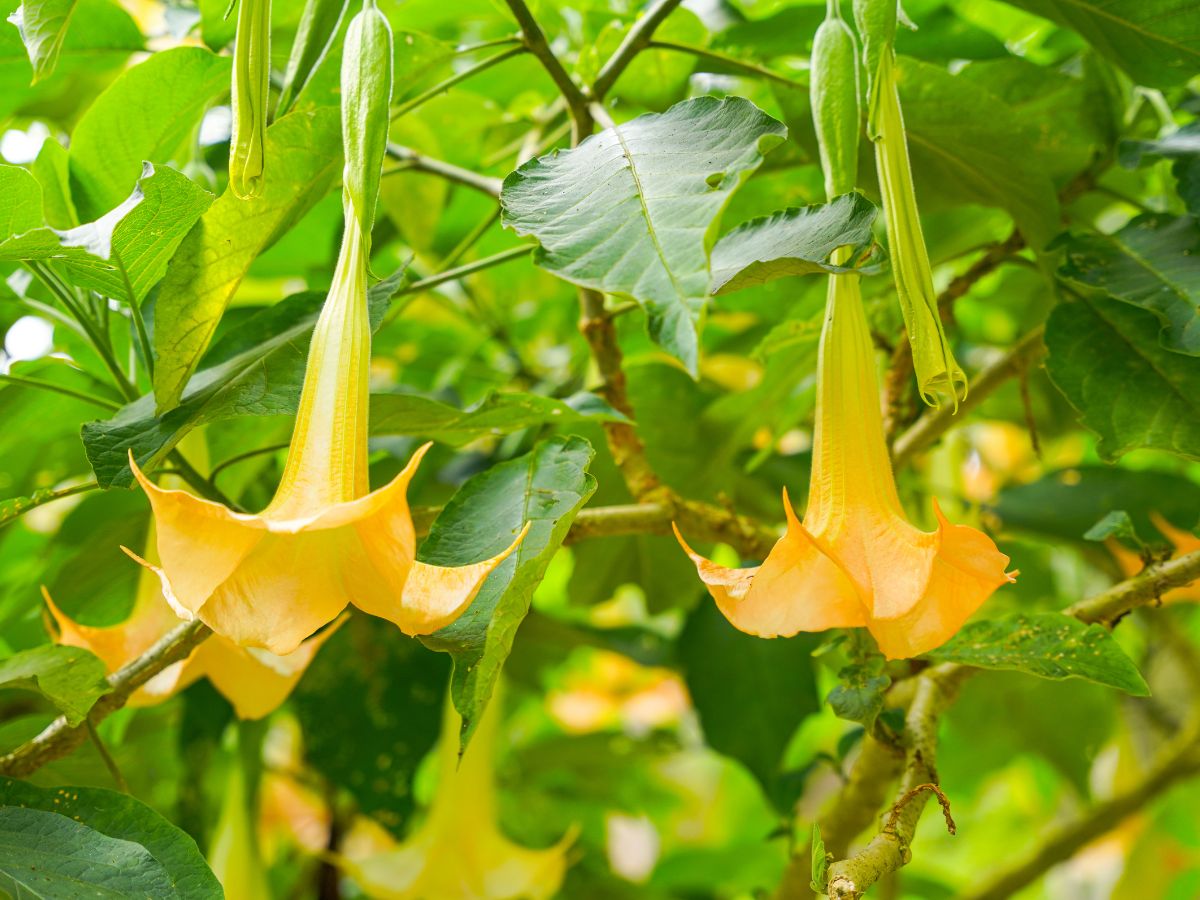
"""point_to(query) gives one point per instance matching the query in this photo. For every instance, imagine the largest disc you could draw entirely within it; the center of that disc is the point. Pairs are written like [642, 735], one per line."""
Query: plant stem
[411, 159]
[40, 384]
[441, 87]
[109, 762]
[636, 40]
[536, 43]
[732, 62]
[41, 498]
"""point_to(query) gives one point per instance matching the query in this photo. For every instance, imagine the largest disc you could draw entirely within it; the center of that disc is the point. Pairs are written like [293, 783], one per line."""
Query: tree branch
[443, 86]
[536, 43]
[411, 159]
[58, 738]
[732, 62]
[937, 422]
[636, 40]
[1179, 760]
[1142, 589]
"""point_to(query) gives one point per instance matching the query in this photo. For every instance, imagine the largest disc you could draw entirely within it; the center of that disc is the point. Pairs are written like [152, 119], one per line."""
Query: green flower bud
[251, 87]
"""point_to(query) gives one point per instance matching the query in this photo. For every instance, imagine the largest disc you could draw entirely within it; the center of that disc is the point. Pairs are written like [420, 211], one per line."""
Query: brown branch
[58, 738]
[1179, 760]
[1142, 589]
[636, 40]
[411, 159]
[937, 422]
[536, 43]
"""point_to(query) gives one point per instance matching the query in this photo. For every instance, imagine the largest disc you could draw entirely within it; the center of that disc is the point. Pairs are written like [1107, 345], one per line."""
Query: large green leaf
[1049, 645]
[146, 115]
[750, 694]
[969, 145]
[1105, 356]
[43, 27]
[1182, 146]
[73, 842]
[71, 678]
[1153, 262]
[792, 242]
[634, 210]
[138, 236]
[20, 202]
[545, 488]
[304, 149]
[1155, 41]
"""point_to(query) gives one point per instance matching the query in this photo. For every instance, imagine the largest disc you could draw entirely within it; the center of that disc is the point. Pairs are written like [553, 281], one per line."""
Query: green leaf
[20, 202]
[138, 236]
[1116, 523]
[635, 209]
[546, 488]
[52, 170]
[1105, 356]
[43, 26]
[820, 864]
[1049, 645]
[304, 149]
[1182, 146]
[793, 242]
[319, 25]
[860, 692]
[73, 842]
[412, 414]
[751, 694]
[71, 678]
[1153, 262]
[1155, 41]
[147, 115]
[386, 692]
[968, 145]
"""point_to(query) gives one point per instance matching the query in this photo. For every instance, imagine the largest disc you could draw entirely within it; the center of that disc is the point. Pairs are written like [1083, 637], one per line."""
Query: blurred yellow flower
[459, 852]
[234, 854]
[271, 580]
[856, 561]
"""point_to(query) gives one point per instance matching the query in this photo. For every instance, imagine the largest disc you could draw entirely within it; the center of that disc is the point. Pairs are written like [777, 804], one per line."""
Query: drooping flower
[271, 580]
[856, 560]
[1182, 543]
[248, 98]
[254, 681]
[459, 850]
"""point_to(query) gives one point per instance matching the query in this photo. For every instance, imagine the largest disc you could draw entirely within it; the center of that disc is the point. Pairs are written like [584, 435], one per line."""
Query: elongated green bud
[251, 87]
[319, 24]
[876, 21]
[366, 110]
[833, 87]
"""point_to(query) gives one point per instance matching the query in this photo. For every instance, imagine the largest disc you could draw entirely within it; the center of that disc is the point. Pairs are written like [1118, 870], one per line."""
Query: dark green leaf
[792, 242]
[1153, 262]
[304, 149]
[751, 694]
[147, 115]
[546, 488]
[1115, 524]
[1155, 41]
[1105, 356]
[860, 692]
[1049, 645]
[1183, 146]
[634, 210]
[83, 842]
[71, 678]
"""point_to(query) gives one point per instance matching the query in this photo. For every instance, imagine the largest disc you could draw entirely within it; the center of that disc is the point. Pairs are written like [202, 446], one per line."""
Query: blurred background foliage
[691, 757]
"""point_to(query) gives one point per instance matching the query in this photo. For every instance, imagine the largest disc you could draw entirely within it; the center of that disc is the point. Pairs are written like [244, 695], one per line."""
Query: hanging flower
[856, 561]
[459, 851]
[271, 580]
[254, 681]
[249, 95]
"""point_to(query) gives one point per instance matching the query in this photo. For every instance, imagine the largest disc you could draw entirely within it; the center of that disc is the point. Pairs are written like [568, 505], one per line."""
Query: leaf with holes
[634, 210]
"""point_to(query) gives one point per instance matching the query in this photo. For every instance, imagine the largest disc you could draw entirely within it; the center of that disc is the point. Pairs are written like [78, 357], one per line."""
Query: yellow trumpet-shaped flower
[459, 852]
[271, 580]
[254, 681]
[933, 359]
[855, 560]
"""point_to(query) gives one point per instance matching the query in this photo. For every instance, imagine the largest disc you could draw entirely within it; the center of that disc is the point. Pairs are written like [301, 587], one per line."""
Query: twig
[58, 738]
[536, 43]
[635, 42]
[1179, 760]
[937, 422]
[22, 505]
[732, 62]
[462, 271]
[441, 87]
[411, 159]
[1144, 588]
[109, 763]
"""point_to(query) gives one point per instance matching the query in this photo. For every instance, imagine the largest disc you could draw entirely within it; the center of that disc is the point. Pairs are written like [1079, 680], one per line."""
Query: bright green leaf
[1049, 645]
[634, 210]
[43, 26]
[71, 678]
[20, 202]
[546, 488]
[52, 170]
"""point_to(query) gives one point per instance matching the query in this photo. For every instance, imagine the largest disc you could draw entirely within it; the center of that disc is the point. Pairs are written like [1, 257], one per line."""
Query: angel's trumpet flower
[459, 851]
[856, 561]
[1182, 542]
[254, 681]
[271, 580]
[249, 95]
